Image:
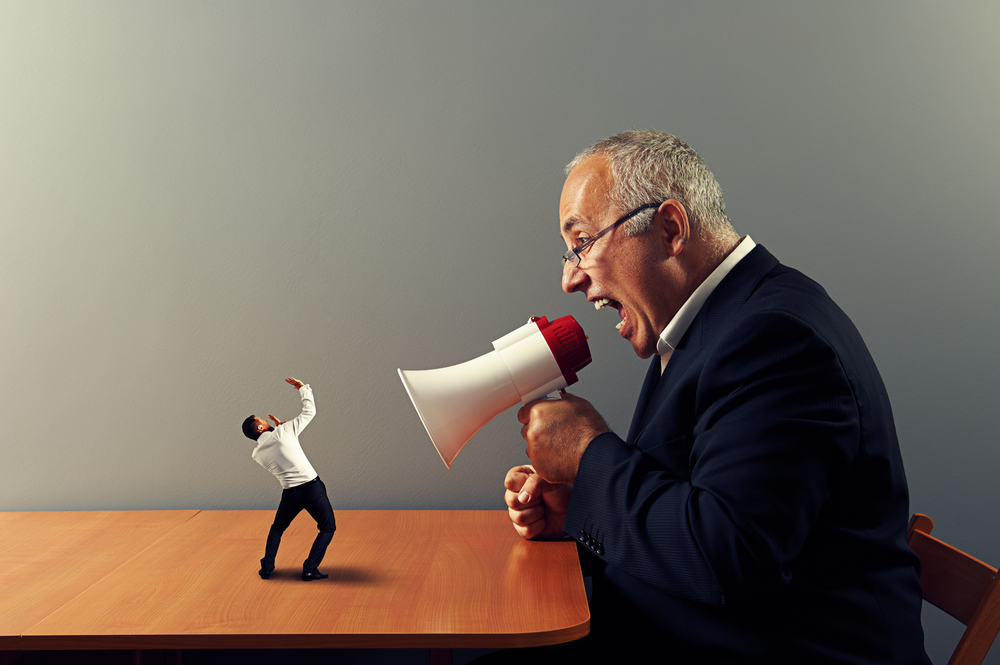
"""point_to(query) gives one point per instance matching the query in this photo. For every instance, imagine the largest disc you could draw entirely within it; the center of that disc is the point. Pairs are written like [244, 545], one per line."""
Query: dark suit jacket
[757, 511]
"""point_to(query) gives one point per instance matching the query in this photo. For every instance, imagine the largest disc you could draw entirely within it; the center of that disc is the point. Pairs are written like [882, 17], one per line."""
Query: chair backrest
[961, 585]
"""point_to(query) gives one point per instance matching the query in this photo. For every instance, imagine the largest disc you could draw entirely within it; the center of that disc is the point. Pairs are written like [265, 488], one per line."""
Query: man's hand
[558, 432]
[537, 508]
[276, 421]
[295, 383]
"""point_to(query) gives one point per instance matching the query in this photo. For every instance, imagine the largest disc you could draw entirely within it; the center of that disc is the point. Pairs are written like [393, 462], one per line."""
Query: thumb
[534, 487]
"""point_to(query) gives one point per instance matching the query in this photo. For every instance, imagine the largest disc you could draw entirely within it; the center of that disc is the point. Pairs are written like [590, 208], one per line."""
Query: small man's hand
[276, 421]
[537, 508]
[558, 432]
[295, 383]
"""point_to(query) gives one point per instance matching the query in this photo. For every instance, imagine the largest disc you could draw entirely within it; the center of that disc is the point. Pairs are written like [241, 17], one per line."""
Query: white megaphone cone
[536, 359]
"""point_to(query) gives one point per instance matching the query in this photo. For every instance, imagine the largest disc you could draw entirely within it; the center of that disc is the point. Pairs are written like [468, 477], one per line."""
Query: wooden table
[179, 580]
[47, 559]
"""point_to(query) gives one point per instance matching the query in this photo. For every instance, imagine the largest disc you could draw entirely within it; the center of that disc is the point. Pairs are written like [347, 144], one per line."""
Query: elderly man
[757, 509]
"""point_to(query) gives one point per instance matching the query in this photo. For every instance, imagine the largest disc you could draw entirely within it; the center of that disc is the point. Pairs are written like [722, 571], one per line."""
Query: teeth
[620, 324]
[601, 302]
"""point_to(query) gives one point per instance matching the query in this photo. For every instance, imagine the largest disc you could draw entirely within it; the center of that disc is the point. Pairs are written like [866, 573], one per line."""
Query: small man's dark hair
[250, 428]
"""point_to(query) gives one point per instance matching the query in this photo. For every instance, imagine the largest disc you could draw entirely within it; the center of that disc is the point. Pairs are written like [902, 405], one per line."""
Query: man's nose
[572, 277]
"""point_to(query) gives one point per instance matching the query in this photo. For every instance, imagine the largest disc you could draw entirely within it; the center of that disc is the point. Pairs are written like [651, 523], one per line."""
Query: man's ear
[672, 226]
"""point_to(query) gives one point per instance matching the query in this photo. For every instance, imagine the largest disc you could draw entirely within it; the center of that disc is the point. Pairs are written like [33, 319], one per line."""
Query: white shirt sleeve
[308, 411]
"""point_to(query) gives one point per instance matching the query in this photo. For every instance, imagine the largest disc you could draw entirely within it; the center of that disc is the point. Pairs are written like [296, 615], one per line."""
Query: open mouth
[601, 303]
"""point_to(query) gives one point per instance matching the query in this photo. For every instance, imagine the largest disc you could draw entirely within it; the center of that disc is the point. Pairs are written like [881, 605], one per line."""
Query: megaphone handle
[556, 394]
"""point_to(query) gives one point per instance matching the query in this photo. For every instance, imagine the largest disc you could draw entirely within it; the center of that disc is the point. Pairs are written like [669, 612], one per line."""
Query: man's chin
[643, 353]
[643, 348]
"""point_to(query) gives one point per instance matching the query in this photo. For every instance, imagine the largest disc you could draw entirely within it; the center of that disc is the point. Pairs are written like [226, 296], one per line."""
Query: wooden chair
[963, 586]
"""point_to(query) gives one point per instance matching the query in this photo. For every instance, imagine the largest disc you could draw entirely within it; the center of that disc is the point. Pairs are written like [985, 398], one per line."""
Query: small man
[279, 452]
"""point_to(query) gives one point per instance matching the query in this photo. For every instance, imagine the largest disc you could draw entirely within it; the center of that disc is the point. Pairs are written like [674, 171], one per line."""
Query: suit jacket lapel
[725, 300]
[648, 386]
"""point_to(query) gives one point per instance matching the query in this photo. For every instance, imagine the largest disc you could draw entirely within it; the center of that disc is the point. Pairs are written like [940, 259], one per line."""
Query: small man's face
[262, 425]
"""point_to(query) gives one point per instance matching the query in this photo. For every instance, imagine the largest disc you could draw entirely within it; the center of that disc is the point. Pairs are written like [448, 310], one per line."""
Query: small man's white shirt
[279, 451]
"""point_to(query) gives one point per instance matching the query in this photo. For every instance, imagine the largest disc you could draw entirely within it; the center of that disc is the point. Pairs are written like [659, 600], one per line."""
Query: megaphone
[529, 363]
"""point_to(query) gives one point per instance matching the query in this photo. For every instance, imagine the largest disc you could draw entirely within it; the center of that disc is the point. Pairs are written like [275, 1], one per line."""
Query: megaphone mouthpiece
[567, 343]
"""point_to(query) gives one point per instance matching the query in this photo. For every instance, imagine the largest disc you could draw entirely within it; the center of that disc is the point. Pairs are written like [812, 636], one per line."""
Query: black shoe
[314, 575]
[265, 569]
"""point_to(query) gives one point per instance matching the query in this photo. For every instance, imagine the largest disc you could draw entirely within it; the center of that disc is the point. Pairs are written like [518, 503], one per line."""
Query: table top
[50, 558]
[413, 579]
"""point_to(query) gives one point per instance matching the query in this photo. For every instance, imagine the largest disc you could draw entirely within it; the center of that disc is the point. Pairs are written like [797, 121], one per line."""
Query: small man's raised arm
[295, 383]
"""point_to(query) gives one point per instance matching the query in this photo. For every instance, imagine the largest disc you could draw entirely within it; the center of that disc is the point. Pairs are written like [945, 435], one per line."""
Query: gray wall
[198, 199]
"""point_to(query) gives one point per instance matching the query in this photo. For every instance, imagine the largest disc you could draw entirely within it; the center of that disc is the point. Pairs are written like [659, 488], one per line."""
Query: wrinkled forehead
[584, 200]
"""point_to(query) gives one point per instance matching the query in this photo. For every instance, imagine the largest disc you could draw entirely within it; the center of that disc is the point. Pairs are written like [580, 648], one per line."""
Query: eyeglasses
[575, 255]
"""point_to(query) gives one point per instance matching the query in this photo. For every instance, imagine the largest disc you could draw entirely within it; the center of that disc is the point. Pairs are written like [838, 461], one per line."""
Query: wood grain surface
[413, 579]
[49, 558]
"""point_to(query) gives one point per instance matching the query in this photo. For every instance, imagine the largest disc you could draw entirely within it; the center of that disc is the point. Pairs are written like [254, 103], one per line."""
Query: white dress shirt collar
[672, 334]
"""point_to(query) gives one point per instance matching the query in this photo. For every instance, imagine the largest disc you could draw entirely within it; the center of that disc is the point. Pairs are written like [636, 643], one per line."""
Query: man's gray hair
[649, 167]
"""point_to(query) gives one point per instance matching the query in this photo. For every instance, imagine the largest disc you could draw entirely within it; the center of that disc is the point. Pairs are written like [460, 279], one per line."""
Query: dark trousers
[312, 497]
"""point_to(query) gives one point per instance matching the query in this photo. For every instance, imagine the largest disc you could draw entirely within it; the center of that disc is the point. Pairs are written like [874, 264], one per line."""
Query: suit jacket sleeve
[715, 498]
